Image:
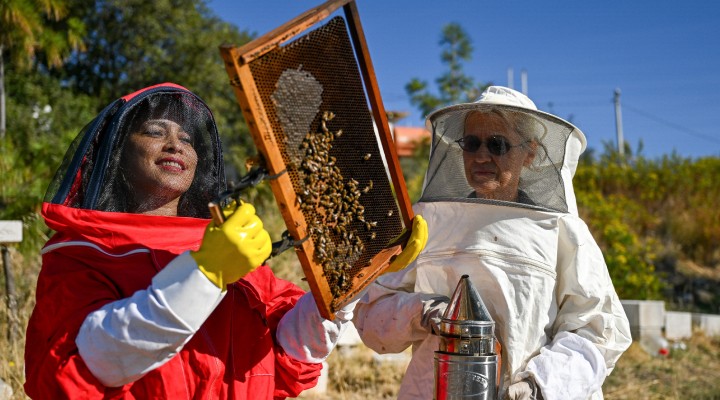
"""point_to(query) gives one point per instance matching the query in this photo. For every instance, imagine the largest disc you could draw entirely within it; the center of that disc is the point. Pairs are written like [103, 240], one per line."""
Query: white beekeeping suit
[533, 260]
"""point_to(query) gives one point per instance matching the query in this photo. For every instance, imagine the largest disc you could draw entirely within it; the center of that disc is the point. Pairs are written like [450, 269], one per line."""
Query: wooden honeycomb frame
[238, 63]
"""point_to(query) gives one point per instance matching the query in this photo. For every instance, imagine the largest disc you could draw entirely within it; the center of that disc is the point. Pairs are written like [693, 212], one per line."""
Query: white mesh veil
[546, 183]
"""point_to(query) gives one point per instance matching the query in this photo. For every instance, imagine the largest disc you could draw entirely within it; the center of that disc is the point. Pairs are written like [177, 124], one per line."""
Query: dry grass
[12, 365]
[693, 373]
[354, 374]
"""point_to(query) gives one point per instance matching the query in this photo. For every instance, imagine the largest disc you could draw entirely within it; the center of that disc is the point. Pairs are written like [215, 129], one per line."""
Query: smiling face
[495, 176]
[159, 164]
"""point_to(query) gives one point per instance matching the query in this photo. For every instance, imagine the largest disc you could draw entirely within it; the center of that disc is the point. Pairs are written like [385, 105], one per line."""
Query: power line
[672, 125]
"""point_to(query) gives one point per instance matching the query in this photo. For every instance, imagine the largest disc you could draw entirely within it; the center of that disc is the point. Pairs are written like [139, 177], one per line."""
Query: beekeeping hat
[546, 183]
[92, 175]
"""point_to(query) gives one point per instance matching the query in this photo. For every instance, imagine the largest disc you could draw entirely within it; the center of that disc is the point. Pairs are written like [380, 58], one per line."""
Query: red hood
[120, 232]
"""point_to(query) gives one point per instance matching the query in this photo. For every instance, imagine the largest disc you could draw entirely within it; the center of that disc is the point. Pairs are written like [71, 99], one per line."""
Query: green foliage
[643, 211]
[680, 199]
[629, 258]
[454, 86]
[40, 31]
[43, 119]
[414, 170]
[128, 47]
[138, 43]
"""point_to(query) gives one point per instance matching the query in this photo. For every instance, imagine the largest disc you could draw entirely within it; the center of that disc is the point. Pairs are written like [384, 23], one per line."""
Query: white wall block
[6, 392]
[350, 337]
[644, 316]
[678, 325]
[392, 358]
[10, 231]
[708, 323]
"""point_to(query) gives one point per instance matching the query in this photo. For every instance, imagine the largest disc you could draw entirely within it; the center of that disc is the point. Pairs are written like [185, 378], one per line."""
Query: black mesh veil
[97, 175]
[546, 183]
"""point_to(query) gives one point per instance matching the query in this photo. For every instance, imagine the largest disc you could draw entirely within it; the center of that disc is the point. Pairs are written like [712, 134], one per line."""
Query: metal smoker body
[466, 364]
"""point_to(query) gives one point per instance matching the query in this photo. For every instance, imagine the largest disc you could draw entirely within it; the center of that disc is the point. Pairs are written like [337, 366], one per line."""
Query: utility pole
[524, 81]
[618, 124]
[510, 78]
[3, 126]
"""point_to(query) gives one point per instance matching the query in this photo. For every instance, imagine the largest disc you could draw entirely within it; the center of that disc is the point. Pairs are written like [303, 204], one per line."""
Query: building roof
[407, 138]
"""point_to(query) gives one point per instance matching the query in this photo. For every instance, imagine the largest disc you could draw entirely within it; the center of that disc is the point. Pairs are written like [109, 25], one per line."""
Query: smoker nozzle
[466, 303]
[466, 315]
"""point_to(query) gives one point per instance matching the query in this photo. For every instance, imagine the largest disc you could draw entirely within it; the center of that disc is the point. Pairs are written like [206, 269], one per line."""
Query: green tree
[43, 118]
[136, 43]
[413, 169]
[129, 45]
[454, 86]
[629, 256]
[33, 28]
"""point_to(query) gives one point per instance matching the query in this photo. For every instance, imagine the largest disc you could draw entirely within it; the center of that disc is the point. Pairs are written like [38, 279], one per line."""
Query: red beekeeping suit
[99, 258]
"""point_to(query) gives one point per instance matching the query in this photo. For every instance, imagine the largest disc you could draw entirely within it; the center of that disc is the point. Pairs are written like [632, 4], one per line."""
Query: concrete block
[6, 392]
[644, 316]
[350, 337]
[393, 358]
[678, 325]
[708, 323]
[10, 232]
[321, 387]
[641, 333]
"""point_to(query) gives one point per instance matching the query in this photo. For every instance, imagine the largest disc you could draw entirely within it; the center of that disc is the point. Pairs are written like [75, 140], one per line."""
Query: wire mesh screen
[313, 96]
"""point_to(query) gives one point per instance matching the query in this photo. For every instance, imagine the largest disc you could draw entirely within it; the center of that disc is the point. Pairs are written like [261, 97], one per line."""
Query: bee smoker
[466, 366]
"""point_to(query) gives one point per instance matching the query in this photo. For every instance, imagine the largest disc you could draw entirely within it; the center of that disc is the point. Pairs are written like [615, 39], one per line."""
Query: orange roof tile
[407, 138]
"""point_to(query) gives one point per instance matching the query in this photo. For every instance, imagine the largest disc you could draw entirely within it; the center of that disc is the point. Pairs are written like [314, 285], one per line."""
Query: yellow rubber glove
[415, 244]
[230, 251]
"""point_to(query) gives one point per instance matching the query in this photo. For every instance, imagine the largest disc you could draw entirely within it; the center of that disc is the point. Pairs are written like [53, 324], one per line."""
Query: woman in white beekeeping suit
[500, 207]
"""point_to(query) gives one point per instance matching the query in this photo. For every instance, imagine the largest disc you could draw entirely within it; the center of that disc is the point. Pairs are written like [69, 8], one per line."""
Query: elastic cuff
[305, 335]
[569, 358]
[186, 291]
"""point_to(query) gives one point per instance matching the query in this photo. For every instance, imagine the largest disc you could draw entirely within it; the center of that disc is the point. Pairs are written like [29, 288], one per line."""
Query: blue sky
[663, 55]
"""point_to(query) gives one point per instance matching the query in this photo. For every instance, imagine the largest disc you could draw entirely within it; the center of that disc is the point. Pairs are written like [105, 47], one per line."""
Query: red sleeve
[67, 291]
[292, 376]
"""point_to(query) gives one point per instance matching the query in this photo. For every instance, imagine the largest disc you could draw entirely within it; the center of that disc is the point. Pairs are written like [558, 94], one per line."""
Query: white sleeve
[571, 367]
[591, 330]
[390, 317]
[127, 338]
[306, 336]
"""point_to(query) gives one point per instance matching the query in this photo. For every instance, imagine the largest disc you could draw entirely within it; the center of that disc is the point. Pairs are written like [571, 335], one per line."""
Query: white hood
[547, 181]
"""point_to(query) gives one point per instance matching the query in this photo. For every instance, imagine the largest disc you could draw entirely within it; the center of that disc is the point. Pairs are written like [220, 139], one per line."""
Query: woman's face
[494, 176]
[159, 164]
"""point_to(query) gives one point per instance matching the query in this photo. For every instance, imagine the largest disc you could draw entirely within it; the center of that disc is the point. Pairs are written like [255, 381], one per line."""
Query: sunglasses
[496, 145]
